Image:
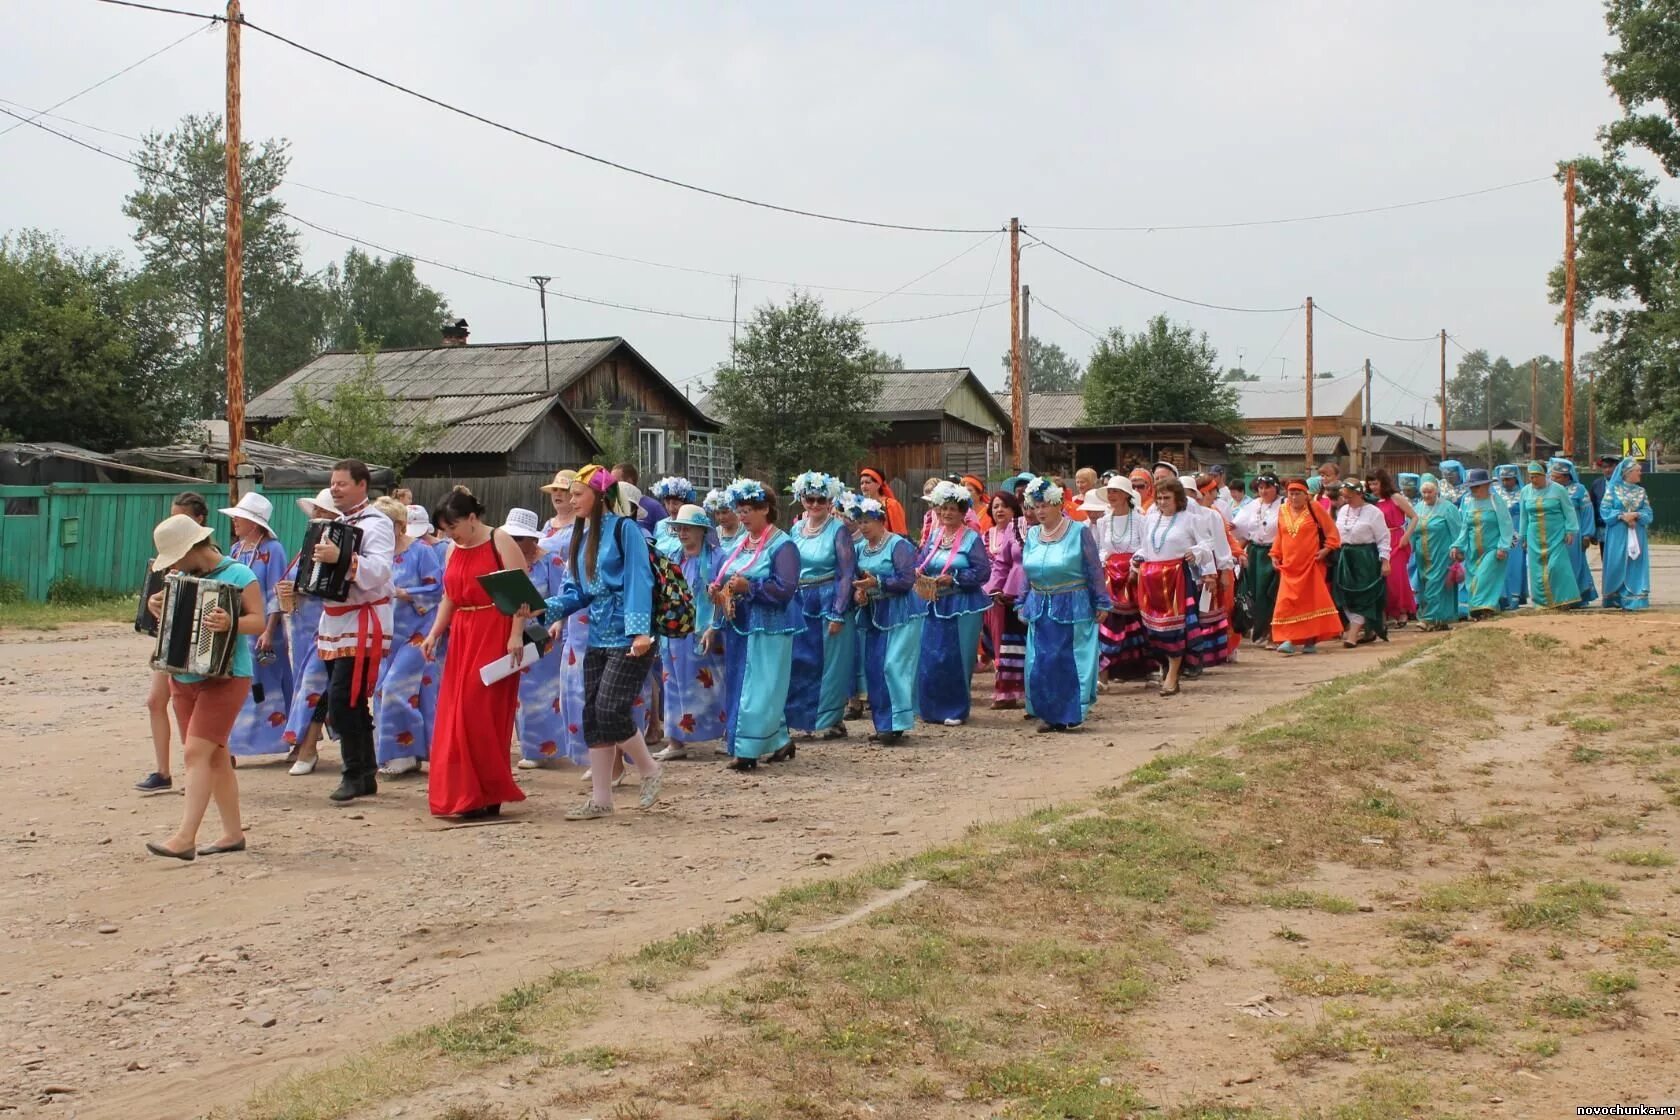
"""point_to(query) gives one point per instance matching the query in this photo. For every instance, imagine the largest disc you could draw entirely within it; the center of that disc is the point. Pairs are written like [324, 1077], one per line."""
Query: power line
[1157, 291]
[1069, 319]
[997, 256]
[1304, 217]
[1283, 334]
[1319, 307]
[559, 147]
[103, 81]
[949, 261]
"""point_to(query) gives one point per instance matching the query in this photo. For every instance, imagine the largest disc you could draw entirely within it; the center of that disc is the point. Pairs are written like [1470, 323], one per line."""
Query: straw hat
[419, 522]
[563, 480]
[522, 523]
[323, 500]
[176, 536]
[252, 507]
[692, 515]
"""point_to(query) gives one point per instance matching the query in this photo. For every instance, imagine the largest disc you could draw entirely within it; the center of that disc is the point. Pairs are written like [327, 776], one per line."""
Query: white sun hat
[1096, 500]
[323, 500]
[176, 536]
[522, 523]
[253, 507]
[419, 522]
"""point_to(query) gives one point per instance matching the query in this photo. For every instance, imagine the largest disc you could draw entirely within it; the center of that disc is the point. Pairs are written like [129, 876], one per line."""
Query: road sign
[1635, 447]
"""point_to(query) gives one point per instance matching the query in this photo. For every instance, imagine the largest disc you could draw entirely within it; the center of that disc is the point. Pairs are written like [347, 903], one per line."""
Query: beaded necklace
[1157, 537]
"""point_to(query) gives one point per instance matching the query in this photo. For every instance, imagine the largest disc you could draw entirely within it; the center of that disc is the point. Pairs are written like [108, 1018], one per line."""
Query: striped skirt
[1009, 643]
[1166, 607]
[1120, 632]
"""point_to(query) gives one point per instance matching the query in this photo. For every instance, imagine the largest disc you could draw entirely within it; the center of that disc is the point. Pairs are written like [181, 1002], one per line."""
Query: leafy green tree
[880, 360]
[1049, 368]
[799, 393]
[616, 433]
[180, 216]
[358, 419]
[1491, 455]
[84, 357]
[1166, 373]
[378, 299]
[1238, 375]
[1467, 405]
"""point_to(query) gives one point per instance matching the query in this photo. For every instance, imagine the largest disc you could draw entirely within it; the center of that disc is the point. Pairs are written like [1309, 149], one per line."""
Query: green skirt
[1260, 584]
[1359, 586]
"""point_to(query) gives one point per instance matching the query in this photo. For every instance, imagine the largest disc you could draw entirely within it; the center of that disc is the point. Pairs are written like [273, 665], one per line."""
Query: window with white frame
[650, 449]
[711, 462]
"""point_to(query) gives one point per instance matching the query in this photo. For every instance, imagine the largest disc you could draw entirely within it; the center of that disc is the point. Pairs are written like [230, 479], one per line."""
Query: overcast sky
[942, 114]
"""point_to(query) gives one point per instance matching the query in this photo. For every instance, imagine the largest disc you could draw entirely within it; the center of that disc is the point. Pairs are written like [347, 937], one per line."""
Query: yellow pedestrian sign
[1634, 447]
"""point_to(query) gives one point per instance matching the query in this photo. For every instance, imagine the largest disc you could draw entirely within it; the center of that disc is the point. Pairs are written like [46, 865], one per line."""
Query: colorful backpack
[673, 601]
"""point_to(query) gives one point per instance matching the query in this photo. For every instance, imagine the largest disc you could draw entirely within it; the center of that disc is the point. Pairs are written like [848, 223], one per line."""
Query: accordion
[184, 643]
[327, 581]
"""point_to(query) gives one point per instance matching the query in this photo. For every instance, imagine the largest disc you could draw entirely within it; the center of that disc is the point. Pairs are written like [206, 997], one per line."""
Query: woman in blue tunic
[953, 569]
[1483, 544]
[261, 726]
[1548, 528]
[1066, 591]
[539, 724]
[1434, 533]
[1451, 481]
[673, 493]
[1508, 489]
[890, 619]
[1627, 551]
[406, 699]
[692, 667]
[756, 593]
[822, 654]
[1565, 475]
[307, 716]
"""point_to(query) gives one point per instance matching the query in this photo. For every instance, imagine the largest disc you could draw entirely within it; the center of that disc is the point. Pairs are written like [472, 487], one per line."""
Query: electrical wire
[1069, 319]
[1283, 334]
[1317, 307]
[103, 81]
[1156, 291]
[978, 311]
[936, 268]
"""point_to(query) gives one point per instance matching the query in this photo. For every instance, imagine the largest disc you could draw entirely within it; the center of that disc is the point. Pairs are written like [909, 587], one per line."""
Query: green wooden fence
[100, 534]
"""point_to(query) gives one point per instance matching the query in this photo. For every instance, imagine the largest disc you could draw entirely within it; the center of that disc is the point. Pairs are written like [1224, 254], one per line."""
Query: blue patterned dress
[758, 643]
[309, 672]
[951, 634]
[261, 726]
[1516, 565]
[406, 700]
[823, 673]
[1548, 516]
[1581, 499]
[1066, 590]
[540, 722]
[1627, 579]
[1485, 533]
[891, 624]
[693, 681]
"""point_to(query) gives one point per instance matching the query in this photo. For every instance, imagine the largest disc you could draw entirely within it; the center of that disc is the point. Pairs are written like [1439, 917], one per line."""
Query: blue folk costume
[406, 701]
[309, 672]
[1516, 565]
[1411, 560]
[573, 644]
[1627, 549]
[1066, 592]
[1548, 518]
[823, 673]
[261, 726]
[758, 641]
[1451, 481]
[1485, 542]
[891, 623]
[951, 635]
[1435, 533]
[693, 681]
[539, 723]
[1585, 516]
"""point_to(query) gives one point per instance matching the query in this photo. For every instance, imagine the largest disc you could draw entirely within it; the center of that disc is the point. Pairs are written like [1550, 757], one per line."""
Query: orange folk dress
[1305, 612]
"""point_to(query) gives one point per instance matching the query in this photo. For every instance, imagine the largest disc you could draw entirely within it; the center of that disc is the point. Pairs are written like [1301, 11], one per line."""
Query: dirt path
[139, 988]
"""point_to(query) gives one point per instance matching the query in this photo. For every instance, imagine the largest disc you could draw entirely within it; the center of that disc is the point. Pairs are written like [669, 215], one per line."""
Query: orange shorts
[207, 709]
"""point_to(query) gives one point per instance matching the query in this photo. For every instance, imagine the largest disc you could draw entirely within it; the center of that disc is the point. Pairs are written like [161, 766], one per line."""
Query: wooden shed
[937, 421]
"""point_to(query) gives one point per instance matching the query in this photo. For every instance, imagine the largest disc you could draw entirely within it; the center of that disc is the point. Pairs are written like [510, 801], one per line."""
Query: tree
[1467, 403]
[1049, 368]
[800, 391]
[358, 419]
[881, 361]
[1628, 235]
[615, 433]
[1492, 455]
[382, 300]
[84, 358]
[180, 216]
[1166, 373]
[1237, 374]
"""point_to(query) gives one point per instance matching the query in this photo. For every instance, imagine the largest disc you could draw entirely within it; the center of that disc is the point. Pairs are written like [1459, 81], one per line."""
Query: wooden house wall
[626, 384]
[944, 446]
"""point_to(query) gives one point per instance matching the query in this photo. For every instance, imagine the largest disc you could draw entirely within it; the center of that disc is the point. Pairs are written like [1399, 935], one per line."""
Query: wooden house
[1061, 441]
[937, 422]
[1278, 408]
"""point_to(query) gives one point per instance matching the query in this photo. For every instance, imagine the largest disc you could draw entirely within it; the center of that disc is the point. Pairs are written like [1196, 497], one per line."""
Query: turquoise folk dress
[1486, 533]
[1548, 516]
[1516, 565]
[1627, 577]
[891, 624]
[1066, 592]
[822, 663]
[1434, 534]
[693, 681]
[1581, 499]
[261, 725]
[758, 643]
[309, 672]
[539, 723]
[951, 635]
[406, 700]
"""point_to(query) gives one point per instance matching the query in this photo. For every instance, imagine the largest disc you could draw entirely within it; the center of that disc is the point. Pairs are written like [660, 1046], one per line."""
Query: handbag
[1455, 574]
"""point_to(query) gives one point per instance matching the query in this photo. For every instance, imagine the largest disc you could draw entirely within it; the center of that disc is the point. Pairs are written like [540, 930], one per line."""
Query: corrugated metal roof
[1288, 446]
[1050, 410]
[917, 390]
[1426, 440]
[1268, 400]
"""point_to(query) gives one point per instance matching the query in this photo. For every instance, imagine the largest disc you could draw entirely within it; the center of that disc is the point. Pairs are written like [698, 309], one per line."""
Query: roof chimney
[455, 334]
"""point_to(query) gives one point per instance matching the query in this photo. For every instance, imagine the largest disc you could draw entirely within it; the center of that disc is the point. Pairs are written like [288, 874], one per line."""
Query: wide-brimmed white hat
[692, 515]
[522, 523]
[629, 501]
[1123, 484]
[323, 500]
[563, 480]
[1095, 500]
[419, 522]
[252, 507]
[176, 536]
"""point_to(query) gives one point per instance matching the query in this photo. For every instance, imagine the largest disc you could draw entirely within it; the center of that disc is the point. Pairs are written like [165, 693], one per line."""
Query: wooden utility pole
[1568, 436]
[1487, 418]
[1365, 443]
[1443, 394]
[1017, 390]
[1592, 414]
[235, 264]
[1026, 365]
[1307, 431]
[1533, 406]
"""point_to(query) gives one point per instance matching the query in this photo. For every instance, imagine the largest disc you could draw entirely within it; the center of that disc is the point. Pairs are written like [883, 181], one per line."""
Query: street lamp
[542, 298]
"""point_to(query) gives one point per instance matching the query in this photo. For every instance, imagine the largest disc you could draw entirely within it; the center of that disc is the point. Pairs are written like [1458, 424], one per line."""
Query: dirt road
[133, 987]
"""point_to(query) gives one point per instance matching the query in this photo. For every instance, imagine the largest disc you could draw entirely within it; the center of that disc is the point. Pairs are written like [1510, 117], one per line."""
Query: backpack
[673, 601]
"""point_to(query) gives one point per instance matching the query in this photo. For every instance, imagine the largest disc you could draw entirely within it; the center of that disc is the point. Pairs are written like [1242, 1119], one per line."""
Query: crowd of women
[840, 616]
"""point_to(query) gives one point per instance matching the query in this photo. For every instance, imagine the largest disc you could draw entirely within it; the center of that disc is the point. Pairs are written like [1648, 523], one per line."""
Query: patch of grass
[1593, 725]
[1612, 983]
[1325, 1040]
[1453, 1025]
[1585, 755]
[1284, 933]
[1050, 1090]
[1331, 978]
[1470, 894]
[1542, 642]
[19, 615]
[1308, 900]
[1423, 931]
[1645, 857]
[598, 1058]
[481, 1111]
[1561, 905]
[685, 950]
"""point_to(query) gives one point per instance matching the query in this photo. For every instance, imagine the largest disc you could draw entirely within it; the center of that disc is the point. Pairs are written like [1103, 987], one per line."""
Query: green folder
[511, 589]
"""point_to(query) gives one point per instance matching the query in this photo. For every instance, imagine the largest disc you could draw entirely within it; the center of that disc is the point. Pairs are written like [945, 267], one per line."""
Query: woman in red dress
[1397, 511]
[471, 774]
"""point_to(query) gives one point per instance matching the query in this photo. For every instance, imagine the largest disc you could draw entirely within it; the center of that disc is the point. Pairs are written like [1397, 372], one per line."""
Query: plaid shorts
[612, 681]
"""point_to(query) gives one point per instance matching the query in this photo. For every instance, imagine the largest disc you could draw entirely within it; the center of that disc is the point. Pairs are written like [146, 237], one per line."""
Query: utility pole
[1026, 363]
[1592, 414]
[1487, 408]
[1307, 454]
[734, 317]
[1365, 444]
[235, 264]
[1443, 394]
[1569, 312]
[542, 300]
[1533, 406]
[1017, 389]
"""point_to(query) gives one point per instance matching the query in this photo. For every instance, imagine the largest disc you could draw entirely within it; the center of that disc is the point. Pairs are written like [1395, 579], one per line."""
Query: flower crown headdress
[716, 501]
[869, 507]
[1042, 492]
[817, 484]
[945, 493]
[746, 490]
[673, 487]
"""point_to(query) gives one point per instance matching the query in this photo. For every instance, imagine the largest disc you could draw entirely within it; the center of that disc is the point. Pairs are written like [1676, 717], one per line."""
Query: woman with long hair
[1307, 536]
[1359, 575]
[1483, 544]
[1434, 534]
[1170, 548]
[692, 667]
[1627, 548]
[261, 726]
[873, 484]
[609, 572]
[470, 775]
[823, 671]
[1549, 528]
[951, 574]
[890, 619]
[405, 697]
[1256, 526]
[1397, 514]
[1008, 582]
[755, 591]
[1066, 592]
[1119, 534]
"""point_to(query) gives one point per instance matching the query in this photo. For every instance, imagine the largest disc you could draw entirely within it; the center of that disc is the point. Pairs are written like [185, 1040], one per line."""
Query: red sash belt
[367, 626]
